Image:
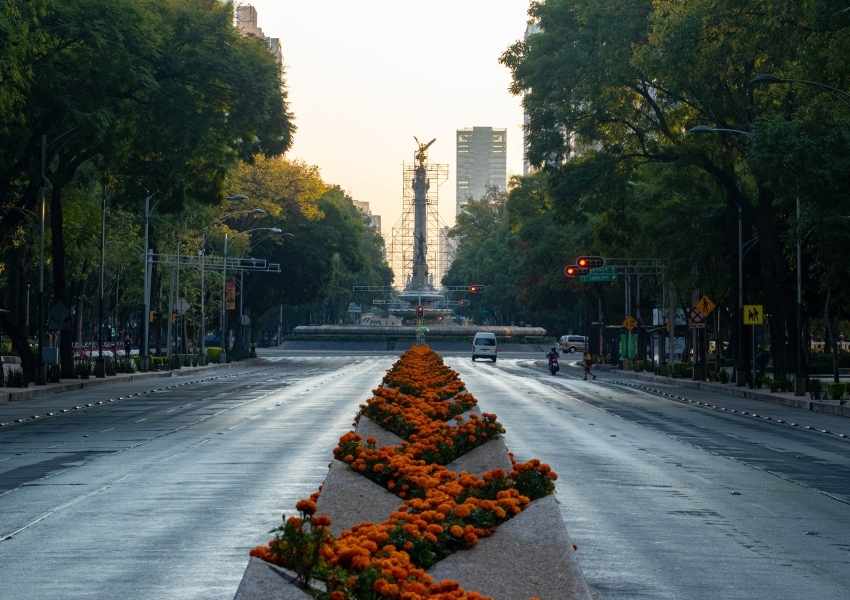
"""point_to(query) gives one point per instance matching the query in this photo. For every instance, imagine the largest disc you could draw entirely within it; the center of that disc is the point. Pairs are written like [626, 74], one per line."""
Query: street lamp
[276, 230]
[202, 257]
[770, 79]
[703, 129]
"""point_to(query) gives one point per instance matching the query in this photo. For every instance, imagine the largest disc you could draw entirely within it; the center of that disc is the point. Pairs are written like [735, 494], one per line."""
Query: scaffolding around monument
[402, 243]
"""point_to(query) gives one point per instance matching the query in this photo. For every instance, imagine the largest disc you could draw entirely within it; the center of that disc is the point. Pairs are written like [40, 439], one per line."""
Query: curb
[70, 386]
[827, 408]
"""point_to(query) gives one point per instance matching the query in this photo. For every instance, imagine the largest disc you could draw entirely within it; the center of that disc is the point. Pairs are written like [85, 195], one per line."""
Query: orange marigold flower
[308, 507]
[322, 521]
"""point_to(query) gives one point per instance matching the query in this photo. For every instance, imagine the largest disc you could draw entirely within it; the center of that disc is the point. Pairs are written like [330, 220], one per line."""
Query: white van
[484, 346]
[573, 343]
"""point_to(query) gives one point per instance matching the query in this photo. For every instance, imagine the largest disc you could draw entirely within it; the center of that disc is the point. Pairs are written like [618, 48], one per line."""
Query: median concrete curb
[23, 394]
[835, 407]
[262, 580]
[530, 555]
[350, 499]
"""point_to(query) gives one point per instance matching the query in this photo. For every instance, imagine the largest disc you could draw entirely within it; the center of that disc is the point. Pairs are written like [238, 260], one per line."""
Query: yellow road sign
[630, 323]
[754, 314]
[705, 306]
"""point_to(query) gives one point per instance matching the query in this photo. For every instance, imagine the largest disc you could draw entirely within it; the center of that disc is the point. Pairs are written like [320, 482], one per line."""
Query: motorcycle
[554, 365]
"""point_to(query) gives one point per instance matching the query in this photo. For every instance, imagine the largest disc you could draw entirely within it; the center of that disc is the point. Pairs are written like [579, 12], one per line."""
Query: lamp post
[703, 129]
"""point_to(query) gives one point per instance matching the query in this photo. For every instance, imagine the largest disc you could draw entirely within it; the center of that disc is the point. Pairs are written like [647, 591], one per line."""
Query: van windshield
[485, 341]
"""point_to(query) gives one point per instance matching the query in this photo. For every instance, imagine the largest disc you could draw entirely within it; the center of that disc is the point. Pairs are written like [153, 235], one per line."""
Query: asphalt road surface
[160, 495]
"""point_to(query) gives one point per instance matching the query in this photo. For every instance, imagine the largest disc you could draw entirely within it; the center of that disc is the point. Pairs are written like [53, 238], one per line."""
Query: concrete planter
[529, 555]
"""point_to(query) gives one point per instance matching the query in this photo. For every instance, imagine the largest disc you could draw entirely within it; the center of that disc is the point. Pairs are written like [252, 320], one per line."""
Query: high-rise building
[482, 162]
[247, 23]
[373, 221]
[526, 166]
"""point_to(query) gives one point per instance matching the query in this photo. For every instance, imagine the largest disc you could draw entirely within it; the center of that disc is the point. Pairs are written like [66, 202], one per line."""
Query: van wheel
[494, 361]
[473, 359]
[572, 350]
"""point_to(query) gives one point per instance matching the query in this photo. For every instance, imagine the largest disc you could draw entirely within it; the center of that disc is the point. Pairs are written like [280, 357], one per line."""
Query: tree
[620, 83]
[158, 96]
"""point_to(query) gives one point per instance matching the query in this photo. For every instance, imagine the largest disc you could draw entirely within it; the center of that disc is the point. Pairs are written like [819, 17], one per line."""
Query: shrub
[214, 354]
[54, 373]
[84, 369]
[682, 370]
[836, 390]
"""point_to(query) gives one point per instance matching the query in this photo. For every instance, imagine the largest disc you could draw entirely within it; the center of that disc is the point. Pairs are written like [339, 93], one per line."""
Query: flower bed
[442, 512]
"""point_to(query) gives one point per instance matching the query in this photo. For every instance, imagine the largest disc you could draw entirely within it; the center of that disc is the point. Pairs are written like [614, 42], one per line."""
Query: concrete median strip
[522, 557]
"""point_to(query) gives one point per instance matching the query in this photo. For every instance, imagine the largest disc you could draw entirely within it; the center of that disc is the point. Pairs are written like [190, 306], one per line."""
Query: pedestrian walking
[588, 365]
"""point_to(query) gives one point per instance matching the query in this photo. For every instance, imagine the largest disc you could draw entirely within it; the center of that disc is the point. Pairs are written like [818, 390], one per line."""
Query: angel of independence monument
[423, 252]
[418, 255]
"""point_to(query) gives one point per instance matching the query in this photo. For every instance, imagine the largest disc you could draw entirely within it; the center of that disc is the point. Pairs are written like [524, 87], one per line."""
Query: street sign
[630, 323]
[754, 314]
[696, 320]
[600, 275]
[705, 306]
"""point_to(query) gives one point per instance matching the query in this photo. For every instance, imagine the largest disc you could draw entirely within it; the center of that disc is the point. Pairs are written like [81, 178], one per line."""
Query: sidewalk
[68, 385]
[828, 407]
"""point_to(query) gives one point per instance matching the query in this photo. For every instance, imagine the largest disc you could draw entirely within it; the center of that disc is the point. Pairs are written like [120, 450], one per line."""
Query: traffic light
[571, 271]
[473, 289]
[590, 262]
[420, 311]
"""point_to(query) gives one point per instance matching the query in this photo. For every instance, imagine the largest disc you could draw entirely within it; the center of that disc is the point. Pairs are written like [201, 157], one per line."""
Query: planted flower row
[443, 512]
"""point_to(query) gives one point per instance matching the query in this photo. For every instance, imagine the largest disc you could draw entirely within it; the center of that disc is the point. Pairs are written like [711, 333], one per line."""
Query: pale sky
[365, 77]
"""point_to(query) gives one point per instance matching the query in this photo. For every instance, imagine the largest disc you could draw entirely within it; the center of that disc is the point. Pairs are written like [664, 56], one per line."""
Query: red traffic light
[590, 262]
[420, 311]
[571, 271]
[473, 289]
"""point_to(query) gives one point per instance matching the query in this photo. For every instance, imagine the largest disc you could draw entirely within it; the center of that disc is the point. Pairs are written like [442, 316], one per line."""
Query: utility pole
[177, 332]
[224, 304]
[147, 288]
[203, 343]
[100, 367]
[740, 377]
[280, 327]
[800, 386]
[242, 310]
[42, 375]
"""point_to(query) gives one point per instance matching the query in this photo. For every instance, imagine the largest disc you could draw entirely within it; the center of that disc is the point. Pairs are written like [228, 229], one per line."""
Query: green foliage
[611, 89]
[836, 391]
[132, 97]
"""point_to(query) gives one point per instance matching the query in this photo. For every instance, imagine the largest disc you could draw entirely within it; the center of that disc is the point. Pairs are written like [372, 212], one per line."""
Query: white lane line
[8, 536]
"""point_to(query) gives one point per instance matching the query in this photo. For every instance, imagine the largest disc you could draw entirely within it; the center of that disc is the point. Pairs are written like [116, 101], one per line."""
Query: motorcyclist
[553, 358]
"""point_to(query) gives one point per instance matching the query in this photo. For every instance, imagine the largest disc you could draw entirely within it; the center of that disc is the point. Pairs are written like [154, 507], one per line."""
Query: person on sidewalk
[588, 365]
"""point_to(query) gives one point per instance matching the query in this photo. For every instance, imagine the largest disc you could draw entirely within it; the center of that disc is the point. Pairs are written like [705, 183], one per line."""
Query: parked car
[484, 346]
[573, 343]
